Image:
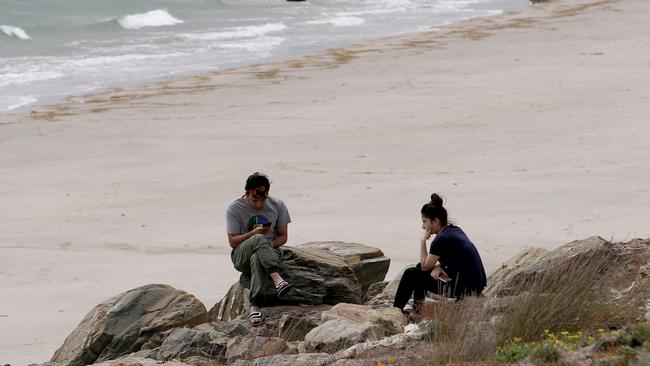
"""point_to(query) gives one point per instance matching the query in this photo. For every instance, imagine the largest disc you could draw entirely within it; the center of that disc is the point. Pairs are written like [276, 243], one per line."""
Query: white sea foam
[27, 76]
[101, 61]
[339, 21]
[236, 32]
[12, 31]
[17, 102]
[492, 13]
[261, 45]
[154, 18]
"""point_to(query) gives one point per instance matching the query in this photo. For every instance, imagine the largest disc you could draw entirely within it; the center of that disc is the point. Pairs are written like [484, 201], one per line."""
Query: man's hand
[439, 274]
[234, 240]
[259, 229]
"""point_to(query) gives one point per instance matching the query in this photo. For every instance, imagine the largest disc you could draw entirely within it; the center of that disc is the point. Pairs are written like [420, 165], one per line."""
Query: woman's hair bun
[436, 199]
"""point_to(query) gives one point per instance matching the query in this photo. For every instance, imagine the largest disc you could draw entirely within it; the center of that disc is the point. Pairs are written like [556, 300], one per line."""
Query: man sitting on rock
[257, 225]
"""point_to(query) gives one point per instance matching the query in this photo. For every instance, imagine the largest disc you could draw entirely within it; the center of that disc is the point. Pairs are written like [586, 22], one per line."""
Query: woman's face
[431, 226]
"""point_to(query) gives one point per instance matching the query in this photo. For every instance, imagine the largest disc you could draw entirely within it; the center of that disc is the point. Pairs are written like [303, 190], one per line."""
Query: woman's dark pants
[414, 283]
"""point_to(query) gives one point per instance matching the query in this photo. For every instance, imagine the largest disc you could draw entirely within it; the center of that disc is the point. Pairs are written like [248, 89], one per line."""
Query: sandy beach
[533, 126]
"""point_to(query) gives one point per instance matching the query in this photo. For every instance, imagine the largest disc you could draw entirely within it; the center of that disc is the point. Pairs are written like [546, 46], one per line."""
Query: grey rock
[122, 324]
[322, 273]
[389, 320]
[294, 328]
[208, 340]
[397, 341]
[139, 361]
[512, 268]
[338, 334]
[622, 267]
[251, 348]
[374, 290]
[368, 263]
[416, 331]
[303, 359]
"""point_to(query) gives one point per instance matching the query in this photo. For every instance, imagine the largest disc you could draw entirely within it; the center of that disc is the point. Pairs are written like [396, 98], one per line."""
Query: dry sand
[533, 125]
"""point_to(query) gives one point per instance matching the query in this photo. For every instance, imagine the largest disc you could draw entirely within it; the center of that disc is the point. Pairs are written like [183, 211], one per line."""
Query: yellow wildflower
[392, 359]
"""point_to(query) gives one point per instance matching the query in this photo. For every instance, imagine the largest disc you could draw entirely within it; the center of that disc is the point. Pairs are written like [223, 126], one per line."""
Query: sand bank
[532, 125]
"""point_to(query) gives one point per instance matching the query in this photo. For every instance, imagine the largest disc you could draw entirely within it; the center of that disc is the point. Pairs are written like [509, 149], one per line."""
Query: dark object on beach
[295, 0]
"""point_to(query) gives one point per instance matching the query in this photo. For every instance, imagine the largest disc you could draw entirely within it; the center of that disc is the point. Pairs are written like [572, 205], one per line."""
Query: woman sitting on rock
[451, 268]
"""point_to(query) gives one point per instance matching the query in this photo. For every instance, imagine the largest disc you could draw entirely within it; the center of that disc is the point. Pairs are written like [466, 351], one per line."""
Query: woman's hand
[437, 273]
[425, 235]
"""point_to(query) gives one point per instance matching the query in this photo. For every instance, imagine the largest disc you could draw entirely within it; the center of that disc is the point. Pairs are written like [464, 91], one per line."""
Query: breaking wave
[154, 18]
[12, 31]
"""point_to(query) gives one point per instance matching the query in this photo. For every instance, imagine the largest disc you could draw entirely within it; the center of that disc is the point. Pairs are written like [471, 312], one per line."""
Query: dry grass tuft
[572, 297]
[461, 331]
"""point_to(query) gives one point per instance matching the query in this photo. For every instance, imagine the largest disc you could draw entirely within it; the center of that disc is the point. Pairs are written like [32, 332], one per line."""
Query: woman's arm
[427, 261]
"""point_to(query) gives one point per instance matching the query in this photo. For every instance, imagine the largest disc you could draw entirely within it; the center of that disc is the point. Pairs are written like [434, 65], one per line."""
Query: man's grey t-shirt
[242, 218]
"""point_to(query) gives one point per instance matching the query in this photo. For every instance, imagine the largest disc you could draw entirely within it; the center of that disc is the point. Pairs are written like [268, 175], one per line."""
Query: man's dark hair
[257, 180]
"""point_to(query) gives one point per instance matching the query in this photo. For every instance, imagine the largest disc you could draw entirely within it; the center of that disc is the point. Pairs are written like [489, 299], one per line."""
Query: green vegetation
[551, 314]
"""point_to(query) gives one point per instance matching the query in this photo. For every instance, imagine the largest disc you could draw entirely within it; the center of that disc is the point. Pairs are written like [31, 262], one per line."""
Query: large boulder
[321, 272]
[122, 324]
[615, 273]
[368, 263]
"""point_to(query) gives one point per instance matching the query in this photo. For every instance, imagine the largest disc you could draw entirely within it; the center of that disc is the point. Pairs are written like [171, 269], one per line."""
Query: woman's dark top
[460, 260]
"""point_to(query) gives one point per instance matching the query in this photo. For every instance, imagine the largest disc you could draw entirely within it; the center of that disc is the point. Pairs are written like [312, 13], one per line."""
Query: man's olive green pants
[256, 258]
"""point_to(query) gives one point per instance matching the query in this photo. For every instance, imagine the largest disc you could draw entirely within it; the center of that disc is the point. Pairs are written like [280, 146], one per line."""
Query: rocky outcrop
[225, 342]
[321, 272]
[162, 325]
[122, 324]
[617, 273]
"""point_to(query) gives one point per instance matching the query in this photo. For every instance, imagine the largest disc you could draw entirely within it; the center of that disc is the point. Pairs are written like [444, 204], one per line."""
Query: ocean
[51, 49]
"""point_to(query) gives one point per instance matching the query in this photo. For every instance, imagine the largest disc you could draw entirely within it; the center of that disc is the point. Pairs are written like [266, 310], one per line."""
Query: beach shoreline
[531, 124]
